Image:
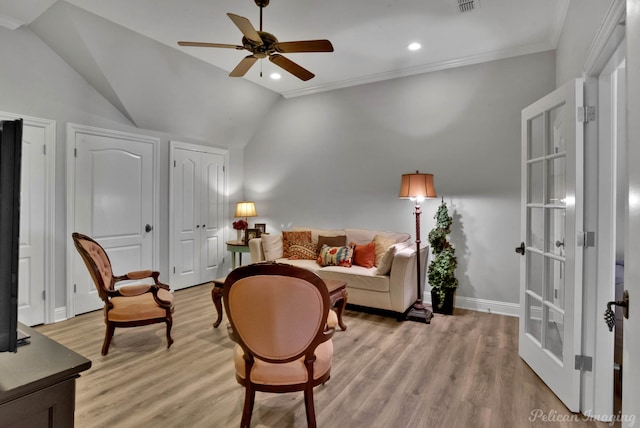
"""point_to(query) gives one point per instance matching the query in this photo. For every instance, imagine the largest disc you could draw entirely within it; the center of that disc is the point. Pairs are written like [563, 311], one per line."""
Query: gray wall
[335, 160]
[35, 81]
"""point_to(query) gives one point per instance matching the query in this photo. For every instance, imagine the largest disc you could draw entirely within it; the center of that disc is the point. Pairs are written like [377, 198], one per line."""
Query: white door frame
[49, 127]
[597, 386]
[173, 145]
[72, 131]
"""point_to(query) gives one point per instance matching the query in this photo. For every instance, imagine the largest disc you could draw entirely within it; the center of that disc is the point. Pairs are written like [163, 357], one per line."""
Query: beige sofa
[395, 290]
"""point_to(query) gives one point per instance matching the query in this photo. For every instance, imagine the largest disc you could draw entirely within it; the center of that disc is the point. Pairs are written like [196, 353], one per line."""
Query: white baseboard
[483, 305]
[60, 314]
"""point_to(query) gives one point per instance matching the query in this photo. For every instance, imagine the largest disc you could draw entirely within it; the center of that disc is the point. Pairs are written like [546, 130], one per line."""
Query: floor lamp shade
[417, 186]
[246, 209]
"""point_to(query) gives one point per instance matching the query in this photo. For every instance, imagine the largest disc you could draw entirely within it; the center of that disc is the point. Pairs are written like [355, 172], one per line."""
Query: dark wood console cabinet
[38, 383]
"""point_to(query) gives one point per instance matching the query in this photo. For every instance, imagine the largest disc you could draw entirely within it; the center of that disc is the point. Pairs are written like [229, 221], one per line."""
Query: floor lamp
[418, 187]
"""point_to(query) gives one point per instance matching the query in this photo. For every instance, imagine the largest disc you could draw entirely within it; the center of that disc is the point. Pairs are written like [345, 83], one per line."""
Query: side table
[337, 295]
[236, 247]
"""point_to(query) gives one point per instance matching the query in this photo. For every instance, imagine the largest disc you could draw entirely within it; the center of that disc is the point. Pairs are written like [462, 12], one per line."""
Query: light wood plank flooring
[459, 371]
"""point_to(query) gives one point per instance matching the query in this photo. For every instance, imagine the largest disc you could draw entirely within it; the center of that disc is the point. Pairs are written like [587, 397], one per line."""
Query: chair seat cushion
[290, 373]
[137, 308]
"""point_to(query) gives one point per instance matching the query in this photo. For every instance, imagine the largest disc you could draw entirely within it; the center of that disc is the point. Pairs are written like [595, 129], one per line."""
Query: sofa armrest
[255, 248]
[403, 287]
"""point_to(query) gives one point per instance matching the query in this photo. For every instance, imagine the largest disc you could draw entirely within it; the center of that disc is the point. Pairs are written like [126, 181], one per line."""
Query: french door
[551, 231]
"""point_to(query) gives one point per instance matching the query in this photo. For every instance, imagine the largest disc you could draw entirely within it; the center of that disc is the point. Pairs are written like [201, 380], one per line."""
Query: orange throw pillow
[364, 255]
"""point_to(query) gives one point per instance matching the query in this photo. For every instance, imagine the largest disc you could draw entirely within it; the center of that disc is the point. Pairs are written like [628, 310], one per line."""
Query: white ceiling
[370, 37]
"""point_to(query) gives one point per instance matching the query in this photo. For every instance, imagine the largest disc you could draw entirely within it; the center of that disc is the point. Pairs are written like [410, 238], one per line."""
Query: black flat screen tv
[10, 163]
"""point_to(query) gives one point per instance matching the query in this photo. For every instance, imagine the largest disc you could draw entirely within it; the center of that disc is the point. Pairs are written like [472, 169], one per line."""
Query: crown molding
[427, 68]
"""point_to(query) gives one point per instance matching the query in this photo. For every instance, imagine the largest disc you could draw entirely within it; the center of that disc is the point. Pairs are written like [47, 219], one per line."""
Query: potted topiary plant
[441, 272]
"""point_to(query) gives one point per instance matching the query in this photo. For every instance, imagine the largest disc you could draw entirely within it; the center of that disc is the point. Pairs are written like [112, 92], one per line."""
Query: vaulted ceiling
[128, 49]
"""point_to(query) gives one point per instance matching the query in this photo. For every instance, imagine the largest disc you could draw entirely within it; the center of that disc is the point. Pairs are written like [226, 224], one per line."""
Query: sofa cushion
[364, 236]
[305, 264]
[364, 255]
[303, 251]
[382, 244]
[357, 277]
[272, 247]
[297, 237]
[384, 267]
[332, 241]
[316, 233]
[335, 256]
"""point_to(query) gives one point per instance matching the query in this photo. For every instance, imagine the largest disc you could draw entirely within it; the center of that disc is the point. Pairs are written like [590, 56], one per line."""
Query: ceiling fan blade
[210, 45]
[290, 66]
[304, 46]
[247, 29]
[244, 66]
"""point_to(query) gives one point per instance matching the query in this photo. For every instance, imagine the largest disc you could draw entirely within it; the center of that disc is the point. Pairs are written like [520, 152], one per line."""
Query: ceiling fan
[262, 45]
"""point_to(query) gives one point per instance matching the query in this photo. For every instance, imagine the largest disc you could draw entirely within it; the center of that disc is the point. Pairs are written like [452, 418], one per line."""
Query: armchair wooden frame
[99, 266]
[315, 333]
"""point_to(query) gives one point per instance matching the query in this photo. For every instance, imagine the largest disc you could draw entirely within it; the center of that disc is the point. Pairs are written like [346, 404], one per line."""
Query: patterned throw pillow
[335, 256]
[302, 251]
[298, 237]
[332, 241]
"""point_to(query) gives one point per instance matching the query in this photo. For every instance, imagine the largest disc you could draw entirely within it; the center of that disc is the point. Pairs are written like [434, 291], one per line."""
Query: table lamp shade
[417, 186]
[246, 209]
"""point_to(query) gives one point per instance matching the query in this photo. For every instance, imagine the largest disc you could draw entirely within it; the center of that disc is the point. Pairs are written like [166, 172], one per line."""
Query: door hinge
[174, 164]
[586, 239]
[174, 270]
[44, 295]
[75, 153]
[587, 114]
[584, 363]
[44, 149]
[224, 168]
[75, 288]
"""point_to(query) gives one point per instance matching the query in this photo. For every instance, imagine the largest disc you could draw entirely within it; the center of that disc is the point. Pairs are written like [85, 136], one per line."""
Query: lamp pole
[418, 311]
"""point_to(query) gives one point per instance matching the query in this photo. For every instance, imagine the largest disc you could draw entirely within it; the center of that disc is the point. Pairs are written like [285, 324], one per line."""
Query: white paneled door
[552, 221]
[197, 215]
[114, 203]
[35, 271]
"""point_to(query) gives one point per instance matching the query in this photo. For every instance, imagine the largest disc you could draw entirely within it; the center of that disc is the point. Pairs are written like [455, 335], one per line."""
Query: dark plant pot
[447, 305]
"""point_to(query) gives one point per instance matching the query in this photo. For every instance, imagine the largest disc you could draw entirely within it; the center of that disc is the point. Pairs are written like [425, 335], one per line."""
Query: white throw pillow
[384, 267]
[272, 247]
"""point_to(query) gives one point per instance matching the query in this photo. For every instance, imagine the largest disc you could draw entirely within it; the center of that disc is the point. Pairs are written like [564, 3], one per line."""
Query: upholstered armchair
[278, 317]
[129, 305]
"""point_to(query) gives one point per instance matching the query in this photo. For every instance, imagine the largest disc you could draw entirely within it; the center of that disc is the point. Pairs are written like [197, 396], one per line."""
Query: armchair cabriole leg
[249, 398]
[107, 338]
[169, 322]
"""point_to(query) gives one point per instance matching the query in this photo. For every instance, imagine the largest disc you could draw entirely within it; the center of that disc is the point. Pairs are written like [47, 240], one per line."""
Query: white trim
[436, 66]
[606, 40]
[49, 127]
[72, 130]
[483, 305]
[9, 22]
[60, 314]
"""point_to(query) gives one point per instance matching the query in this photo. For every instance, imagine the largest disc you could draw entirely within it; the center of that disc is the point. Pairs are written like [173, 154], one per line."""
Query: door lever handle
[520, 249]
[609, 315]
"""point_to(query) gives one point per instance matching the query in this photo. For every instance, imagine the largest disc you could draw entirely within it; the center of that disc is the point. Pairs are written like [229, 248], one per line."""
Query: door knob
[520, 249]
[148, 228]
[610, 317]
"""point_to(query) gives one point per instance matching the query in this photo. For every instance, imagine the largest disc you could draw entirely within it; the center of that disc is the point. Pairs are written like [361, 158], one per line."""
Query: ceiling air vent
[467, 5]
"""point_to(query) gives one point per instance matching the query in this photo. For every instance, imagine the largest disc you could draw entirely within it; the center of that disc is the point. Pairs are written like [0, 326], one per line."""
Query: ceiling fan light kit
[265, 45]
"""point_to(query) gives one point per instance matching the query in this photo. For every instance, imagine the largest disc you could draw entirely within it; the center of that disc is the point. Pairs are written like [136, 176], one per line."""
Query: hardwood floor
[459, 371]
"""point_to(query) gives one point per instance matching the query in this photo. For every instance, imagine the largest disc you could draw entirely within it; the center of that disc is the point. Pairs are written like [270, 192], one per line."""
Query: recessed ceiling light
[414, 46]
[275, 76]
